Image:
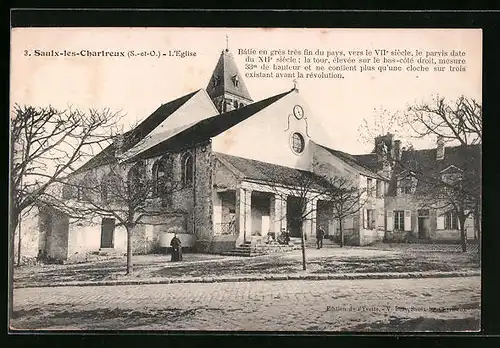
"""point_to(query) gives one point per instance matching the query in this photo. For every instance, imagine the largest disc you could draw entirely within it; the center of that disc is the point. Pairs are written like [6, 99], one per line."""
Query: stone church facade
[222, 147]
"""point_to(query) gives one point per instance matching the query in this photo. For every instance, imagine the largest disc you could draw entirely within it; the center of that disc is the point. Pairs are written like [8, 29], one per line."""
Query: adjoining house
[413, 209]
[229, 154]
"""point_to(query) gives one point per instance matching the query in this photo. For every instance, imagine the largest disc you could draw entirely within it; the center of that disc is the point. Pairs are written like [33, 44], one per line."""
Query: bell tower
[226, 87]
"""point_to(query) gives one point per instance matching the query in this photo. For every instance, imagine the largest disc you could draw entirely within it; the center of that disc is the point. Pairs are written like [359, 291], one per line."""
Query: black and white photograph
[245, 179]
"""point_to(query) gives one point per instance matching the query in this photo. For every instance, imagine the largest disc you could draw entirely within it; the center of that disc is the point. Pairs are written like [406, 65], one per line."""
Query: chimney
[384, 147]
[440, 148]
[397, 150]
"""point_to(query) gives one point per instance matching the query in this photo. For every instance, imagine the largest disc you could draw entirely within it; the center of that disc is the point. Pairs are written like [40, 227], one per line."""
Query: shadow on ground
[101, 318]
[334, 261]
[420, 324]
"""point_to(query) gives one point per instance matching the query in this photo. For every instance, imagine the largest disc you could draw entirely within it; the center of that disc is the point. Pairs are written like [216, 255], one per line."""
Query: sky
[138, 86]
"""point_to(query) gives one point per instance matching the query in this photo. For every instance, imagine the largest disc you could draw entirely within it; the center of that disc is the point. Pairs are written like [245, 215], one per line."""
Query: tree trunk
[341, 233]
[463, 234]
[19, 239]
[477, 228]
[303, 245]
[130, 266]
[12, 225]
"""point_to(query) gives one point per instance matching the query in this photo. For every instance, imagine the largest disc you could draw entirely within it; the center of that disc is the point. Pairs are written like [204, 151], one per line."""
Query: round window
[298, 143]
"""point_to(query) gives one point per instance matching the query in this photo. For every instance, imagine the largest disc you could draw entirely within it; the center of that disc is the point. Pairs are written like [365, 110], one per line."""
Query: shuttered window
[399, 220]
[451, 221]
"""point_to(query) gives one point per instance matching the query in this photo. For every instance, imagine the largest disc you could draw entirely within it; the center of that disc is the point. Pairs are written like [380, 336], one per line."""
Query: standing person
[175, 243]
[320, 234]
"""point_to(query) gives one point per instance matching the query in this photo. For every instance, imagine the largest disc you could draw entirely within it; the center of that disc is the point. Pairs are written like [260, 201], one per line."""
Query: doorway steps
[247, 249]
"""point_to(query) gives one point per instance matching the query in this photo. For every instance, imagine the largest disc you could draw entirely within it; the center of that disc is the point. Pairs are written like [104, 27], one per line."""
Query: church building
[232, 157]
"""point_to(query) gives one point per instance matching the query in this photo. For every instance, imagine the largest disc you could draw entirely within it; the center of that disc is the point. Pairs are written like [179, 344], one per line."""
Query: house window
[298, 143]
[369, 187]
[187, 169]
[380, 188]
[370, 219]
[451, 221]
[235, 104]
[236, 80]
[216, 81]
[405, 186]
[399, 220]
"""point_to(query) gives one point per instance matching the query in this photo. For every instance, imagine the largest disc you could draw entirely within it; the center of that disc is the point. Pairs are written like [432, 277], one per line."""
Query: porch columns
[243, 219]
[278, 209]
[309, 225]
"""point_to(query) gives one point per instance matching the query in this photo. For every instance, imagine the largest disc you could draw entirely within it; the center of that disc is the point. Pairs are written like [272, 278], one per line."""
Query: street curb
[264, 277]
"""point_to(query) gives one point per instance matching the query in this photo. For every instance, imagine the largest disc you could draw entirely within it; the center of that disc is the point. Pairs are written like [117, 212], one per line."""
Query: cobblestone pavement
[446, 304]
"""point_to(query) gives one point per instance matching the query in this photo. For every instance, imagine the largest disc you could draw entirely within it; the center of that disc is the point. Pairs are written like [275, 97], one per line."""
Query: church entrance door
[293, 216]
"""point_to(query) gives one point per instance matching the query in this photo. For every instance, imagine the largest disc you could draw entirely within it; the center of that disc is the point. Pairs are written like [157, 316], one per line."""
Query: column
[243, 214]
[280, 214]
[277, 214]
[314, 214]
[217, 213]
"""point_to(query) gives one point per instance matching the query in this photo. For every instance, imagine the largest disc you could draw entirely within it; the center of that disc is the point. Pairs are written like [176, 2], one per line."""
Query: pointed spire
[226, 82]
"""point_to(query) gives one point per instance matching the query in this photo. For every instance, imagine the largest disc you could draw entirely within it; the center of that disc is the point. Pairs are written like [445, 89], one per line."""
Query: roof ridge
[266, 163]
[139, 132]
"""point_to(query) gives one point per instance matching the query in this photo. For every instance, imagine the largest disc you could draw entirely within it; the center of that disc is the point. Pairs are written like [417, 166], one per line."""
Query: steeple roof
[227, 79]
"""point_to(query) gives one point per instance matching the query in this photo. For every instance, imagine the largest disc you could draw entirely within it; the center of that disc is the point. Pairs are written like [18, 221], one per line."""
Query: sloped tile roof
[353, 162]
[225, 71]
[208, 128]
[267, 172]
[369, 161]
[134, 136]
[466, 158]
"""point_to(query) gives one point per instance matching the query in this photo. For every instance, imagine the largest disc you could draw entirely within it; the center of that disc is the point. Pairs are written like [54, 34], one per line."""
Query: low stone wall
[216, 244]
[398, 236]
[445, 234]
[368, 237]
[351, 237]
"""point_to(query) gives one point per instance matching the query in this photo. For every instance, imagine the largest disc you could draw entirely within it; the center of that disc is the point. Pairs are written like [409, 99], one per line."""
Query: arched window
[187, 169]
[163, 175]
[135, 182]
[236, 80]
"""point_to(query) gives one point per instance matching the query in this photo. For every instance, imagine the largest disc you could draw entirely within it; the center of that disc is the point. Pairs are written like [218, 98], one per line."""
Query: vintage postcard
[245, 179]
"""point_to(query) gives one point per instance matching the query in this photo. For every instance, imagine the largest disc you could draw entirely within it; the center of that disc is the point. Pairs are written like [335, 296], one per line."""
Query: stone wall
[216, 244]
[445, 234]
[57, 241]
[30, 241]
[203, 205]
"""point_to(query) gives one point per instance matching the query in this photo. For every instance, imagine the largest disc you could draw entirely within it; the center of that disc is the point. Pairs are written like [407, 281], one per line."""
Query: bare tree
[346, 199]
[45, 144]
[381, 122]
[459, 121]
[455, 190]
[453, 122]
[125, 193]
[343, 195]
